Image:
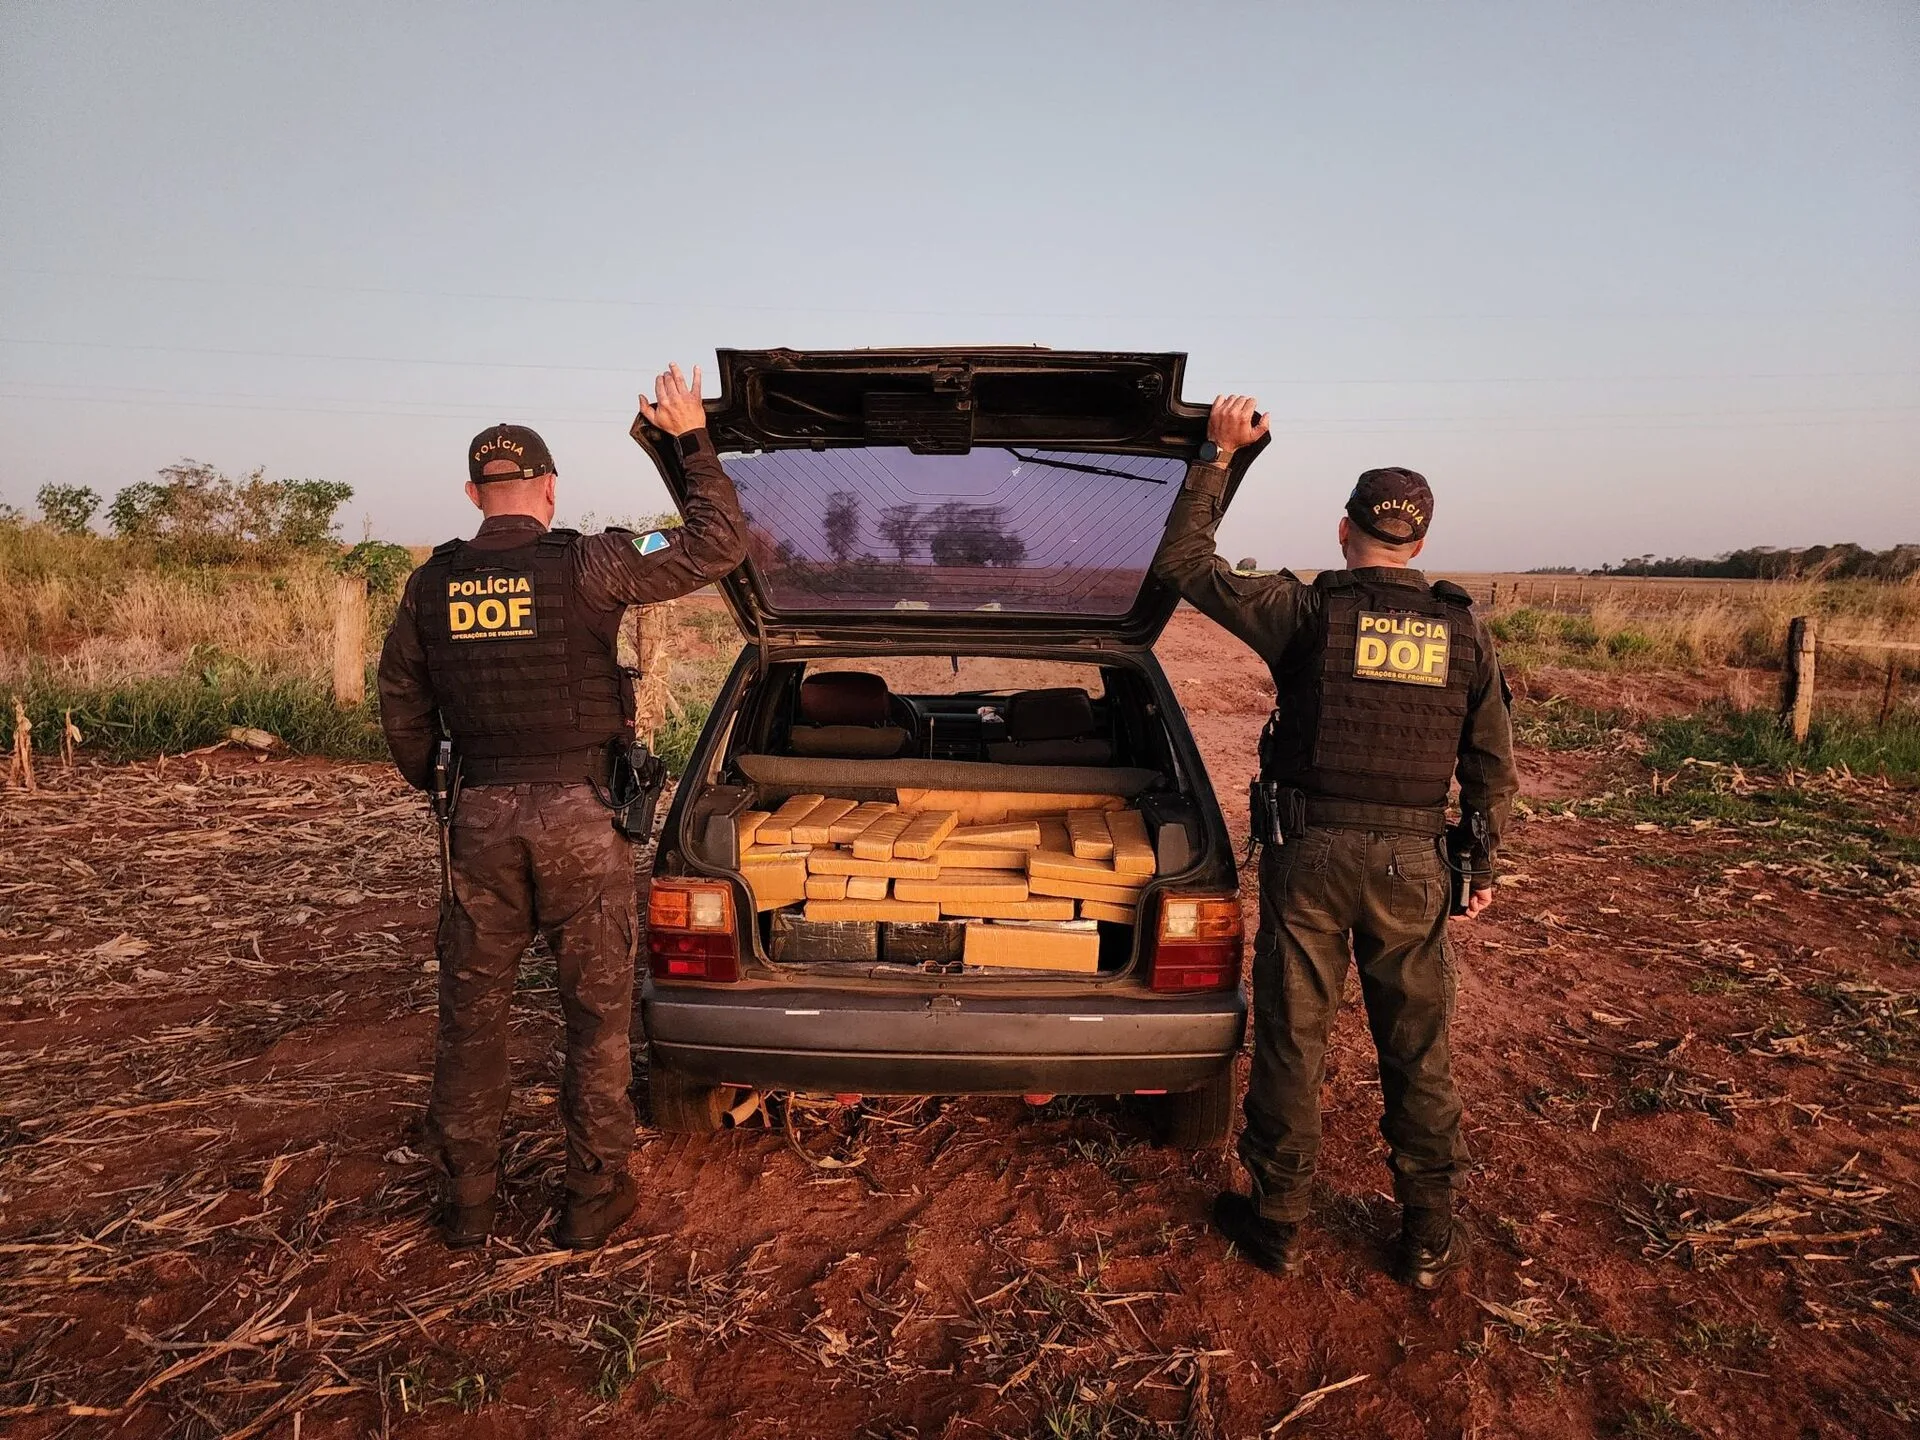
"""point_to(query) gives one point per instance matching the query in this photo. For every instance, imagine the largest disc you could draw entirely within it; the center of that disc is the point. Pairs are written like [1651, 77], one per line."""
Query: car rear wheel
[685, 1106]
[1196, 1119]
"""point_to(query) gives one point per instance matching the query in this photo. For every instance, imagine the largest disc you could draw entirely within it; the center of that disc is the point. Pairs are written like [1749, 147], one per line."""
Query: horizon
[1617, 282]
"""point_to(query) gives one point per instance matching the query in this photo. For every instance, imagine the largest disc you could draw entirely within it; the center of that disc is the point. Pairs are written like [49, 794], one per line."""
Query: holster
[1278, 813]
[636, 777]
[1469, 856]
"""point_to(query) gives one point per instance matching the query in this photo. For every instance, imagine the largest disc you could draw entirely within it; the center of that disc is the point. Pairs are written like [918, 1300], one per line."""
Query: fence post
[1796, 700]
[349, 640]
[1886, 695]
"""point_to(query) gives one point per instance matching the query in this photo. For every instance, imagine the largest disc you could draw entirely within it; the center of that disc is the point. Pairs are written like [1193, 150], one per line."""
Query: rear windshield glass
[970, 674]
[1038, 531]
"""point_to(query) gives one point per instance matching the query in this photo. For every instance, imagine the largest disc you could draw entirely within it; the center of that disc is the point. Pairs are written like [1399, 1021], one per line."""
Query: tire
[681, 1105]
[1197, 1119]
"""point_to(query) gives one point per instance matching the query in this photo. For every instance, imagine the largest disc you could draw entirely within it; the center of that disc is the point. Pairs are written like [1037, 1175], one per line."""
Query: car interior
[815, 730]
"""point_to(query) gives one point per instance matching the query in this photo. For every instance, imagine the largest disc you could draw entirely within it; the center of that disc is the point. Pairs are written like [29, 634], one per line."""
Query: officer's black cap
[1393, 505]
[515, 444]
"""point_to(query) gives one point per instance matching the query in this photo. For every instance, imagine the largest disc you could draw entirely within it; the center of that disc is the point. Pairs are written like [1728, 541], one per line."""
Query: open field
[1687, 1036]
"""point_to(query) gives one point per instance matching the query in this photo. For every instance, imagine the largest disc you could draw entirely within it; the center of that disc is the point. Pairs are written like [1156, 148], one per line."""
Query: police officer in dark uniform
[1388, 689]
[504, 646]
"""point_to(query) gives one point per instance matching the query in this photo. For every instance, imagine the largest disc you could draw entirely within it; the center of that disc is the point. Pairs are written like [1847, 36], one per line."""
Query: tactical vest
[521, 671]
[1372, 696]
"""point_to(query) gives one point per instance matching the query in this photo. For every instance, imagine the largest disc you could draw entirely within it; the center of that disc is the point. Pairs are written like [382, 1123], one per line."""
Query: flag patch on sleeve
[651, 543]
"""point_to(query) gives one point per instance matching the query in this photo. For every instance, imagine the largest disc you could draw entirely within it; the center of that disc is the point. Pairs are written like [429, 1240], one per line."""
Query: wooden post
[1796, 699]
[1886, 694]
[350, 641]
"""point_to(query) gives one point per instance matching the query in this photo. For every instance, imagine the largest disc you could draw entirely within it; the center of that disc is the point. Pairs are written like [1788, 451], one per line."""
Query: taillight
[1196, 945]
[690, 931]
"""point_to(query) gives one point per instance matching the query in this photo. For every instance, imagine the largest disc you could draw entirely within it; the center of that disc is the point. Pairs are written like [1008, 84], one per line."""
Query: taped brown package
[854, 823]
[870, 910]
[990, 807]
[921, 838]
[1080, 890]
[777, 828]
[1034, 907]
[1132, 850]
[1088, 834]
[775, 881]
[817, 828]
[876, 841]
[840, 862]
[964, 885]
[1033, 947]
[1072, 867]
[982, 857]
[1101, 910]
[1023, 833]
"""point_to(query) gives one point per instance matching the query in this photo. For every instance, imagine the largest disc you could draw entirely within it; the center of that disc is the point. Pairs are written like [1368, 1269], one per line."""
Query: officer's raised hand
[675, 407]
[1235, 421]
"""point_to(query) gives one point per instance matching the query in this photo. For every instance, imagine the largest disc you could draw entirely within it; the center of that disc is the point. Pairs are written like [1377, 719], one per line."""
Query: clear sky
[1618, 278]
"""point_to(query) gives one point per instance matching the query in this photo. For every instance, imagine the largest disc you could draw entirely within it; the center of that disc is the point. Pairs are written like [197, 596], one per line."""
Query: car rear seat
[849, 715]
[1051, 727]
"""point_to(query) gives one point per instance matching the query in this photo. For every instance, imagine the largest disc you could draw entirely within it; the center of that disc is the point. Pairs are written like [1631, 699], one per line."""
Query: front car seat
[847, 715]
[1051, 727]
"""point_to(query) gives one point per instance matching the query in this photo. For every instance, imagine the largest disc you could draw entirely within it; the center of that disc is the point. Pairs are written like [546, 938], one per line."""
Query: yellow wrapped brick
[1087, 832]
[1132, 851]
[1034, 907]
[1071, 867]
[777, 828]
[964, 885]
[817, 828]
[826, 887]
[867, 887]
[923, 836]
[981, 857]
[894, 910]
[745, 824]
[1023, 947]
[776, 881]
[1024, 833]
[876, 841]
[1081, 890]
[839, 862]
[1100, 910]
[854, 823]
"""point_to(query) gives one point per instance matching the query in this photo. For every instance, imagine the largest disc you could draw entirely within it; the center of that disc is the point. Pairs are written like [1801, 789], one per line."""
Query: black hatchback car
[947, 592]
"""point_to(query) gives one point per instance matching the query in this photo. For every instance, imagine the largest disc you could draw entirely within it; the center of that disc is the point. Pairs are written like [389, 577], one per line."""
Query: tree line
[1812, 562]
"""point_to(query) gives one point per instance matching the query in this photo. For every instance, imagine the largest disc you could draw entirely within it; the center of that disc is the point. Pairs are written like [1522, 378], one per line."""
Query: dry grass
[1692, 625]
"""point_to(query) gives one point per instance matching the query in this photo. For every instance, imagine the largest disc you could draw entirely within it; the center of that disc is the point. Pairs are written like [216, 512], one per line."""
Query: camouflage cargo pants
[1380, 900]
[526, 859]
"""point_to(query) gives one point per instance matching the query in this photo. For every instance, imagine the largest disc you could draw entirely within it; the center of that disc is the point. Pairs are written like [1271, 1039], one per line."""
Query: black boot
[1273, 1245]
[1433, 1244]
[464, 1226]
[591, 1219]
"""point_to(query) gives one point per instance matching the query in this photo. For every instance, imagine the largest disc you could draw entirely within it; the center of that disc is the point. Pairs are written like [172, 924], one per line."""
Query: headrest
[1059, 714]
[844, 697]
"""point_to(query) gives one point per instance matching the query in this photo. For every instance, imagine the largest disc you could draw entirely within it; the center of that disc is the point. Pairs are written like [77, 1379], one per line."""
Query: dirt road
[1688, 1062]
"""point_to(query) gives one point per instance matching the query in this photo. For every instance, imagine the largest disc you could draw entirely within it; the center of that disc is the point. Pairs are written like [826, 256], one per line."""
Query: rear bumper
[791, 1038]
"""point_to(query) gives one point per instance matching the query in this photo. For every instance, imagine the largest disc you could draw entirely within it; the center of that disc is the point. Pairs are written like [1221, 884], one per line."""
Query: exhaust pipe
[748, 1107]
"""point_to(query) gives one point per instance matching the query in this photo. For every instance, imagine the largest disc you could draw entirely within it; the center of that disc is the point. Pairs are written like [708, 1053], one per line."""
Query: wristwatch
[1208, 453]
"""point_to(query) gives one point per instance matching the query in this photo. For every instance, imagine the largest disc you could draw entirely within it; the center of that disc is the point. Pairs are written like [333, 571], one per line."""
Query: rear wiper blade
[1083, 469]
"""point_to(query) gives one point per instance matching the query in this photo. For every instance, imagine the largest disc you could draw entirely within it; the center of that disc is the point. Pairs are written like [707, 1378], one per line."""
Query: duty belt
[1366, 815]
[572, 767]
